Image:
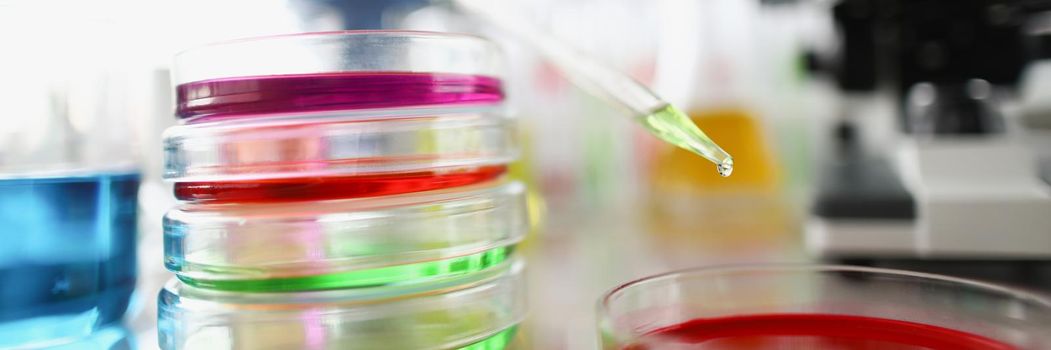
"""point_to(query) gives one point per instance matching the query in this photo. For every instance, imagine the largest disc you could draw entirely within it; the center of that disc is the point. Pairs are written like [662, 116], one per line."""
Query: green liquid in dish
[499, 341]
[361, 278]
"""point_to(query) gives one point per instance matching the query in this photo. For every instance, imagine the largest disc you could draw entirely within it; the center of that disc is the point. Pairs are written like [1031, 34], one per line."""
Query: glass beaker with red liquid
[820, 307]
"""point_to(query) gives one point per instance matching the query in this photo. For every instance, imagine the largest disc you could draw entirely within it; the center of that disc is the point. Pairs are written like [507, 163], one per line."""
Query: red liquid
[814, 331]
[334, 187]
[230, 97]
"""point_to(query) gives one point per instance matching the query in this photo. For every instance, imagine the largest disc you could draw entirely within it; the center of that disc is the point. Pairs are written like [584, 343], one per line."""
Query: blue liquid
[67, 255]
[115, 337]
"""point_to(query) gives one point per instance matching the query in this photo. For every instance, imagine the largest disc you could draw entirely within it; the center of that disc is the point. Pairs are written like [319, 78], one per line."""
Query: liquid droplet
[726, 167]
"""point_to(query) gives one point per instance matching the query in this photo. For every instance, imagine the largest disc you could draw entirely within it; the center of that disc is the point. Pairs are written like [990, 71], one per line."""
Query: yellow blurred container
[695, 208]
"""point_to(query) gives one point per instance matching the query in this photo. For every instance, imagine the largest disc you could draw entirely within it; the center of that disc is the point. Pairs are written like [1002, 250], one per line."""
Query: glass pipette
[661, 118]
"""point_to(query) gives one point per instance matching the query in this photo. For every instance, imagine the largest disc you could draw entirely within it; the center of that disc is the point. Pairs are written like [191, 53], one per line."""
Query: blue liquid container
[67, 255]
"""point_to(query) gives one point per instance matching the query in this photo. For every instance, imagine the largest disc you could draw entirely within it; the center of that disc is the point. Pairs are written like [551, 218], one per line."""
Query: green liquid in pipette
[675, 127]
[661, 118]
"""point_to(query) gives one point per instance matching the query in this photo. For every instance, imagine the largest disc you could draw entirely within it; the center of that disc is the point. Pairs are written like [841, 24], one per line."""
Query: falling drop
[726, 167]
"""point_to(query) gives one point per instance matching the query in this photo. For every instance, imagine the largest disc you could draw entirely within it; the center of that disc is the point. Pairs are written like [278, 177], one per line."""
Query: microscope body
[957, 188]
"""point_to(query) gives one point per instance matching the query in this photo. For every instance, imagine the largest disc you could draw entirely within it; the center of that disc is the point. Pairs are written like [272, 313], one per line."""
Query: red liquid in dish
[231, 97]
[333, 187]
[813, 331]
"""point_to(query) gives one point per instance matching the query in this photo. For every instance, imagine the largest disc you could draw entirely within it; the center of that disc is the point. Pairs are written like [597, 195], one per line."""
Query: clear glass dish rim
[181, 58]
[215, 301]
[493, 281]
[340, 33]
[218, 135]
[603, 304]
[204, 216]
[205, 213]
[492, 111]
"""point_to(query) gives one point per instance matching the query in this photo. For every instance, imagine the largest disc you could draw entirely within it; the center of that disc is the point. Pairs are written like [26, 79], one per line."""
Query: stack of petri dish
[342, 190]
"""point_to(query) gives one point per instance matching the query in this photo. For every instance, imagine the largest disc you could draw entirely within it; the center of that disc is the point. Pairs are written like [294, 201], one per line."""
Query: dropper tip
[726, 167]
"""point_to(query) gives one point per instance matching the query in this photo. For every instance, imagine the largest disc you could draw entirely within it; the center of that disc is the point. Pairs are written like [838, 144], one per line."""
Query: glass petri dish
[349, 243]
[333, 71]
[820, 307]
[333, 187]
[365, 145]
[474, 311]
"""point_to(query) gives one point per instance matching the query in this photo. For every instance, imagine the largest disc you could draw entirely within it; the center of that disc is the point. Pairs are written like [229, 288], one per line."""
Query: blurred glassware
[115, 337]
[713, 61]
[68, 183]
[474, 311]
[68, 262]
[814, 306]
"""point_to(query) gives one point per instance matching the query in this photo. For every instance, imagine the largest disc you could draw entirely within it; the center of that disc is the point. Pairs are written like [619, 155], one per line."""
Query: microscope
[957, 189]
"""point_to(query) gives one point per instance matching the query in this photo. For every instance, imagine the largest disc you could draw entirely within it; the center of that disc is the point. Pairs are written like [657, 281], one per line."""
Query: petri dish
[349, 243]
[460, 145]
[333, 187]
[335, 71]
[820, 307]
[474, 311]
